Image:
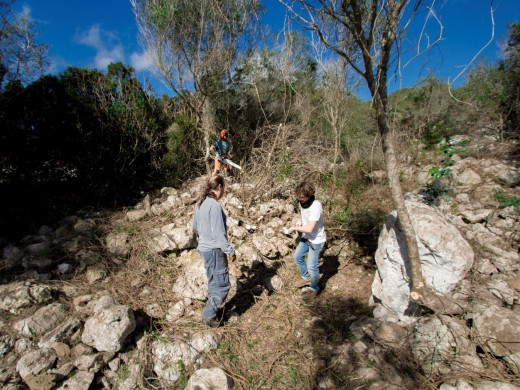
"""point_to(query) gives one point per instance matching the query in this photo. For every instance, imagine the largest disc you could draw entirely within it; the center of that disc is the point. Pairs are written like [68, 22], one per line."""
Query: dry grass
[278, 341]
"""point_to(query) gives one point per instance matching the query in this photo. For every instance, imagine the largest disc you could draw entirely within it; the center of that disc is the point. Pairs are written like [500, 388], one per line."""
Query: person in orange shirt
[222, 148]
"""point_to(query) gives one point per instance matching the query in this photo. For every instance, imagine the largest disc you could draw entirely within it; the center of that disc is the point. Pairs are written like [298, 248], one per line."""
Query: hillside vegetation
[94, 167]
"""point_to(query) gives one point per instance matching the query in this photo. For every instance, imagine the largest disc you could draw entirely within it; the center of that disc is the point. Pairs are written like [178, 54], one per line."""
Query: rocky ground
[114, 300]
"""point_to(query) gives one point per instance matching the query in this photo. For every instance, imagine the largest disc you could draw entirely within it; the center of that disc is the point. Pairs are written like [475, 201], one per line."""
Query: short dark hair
[304, 189]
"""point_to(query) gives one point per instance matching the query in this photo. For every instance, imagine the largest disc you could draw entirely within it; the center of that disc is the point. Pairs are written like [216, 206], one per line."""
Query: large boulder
[193, 282]
[108, 328]
[445, 256]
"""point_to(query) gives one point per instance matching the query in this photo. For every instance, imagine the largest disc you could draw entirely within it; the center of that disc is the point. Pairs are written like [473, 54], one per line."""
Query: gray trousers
[218, 281]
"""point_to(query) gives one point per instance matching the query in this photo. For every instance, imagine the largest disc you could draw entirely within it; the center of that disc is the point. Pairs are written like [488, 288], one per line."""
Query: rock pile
[63, 326]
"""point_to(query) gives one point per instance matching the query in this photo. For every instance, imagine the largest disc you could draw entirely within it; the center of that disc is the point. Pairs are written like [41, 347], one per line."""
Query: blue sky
[96, 32]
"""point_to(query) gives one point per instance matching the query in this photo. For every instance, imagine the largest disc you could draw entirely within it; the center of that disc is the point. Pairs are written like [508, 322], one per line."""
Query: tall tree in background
[366, 33]
[336, 94]
[194, 45]
[22, 57]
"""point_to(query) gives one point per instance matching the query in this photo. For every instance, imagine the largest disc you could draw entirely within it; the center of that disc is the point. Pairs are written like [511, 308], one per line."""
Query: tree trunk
[206, 126]
[398, 198]
[419, 292]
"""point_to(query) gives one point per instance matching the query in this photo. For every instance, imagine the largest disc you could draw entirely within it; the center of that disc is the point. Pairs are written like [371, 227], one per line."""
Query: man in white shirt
[313, 238]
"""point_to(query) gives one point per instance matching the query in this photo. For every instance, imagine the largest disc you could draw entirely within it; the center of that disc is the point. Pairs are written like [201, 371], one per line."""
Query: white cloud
[141, 61]
[105, 57]
[106, 43]
[26, 11]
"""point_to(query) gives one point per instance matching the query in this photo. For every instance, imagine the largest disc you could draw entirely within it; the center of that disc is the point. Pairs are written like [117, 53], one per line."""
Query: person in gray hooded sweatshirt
[209, 222]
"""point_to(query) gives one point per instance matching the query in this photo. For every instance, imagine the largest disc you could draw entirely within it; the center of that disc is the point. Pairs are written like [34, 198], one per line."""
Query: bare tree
[367, 33]
[194, 45]
[336, 94]
[22, 56]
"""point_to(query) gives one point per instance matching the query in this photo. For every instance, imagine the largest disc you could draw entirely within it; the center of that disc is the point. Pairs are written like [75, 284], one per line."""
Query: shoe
[309, 295]
[210, 323]
[303, 283]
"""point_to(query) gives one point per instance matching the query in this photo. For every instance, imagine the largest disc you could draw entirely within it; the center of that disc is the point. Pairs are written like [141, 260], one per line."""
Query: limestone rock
[18, 295]
[108, 328]
[81, 381]
[499, 286]
[193, 282]
[36, 362]
[441, 345]
[85, 226]
[208, 379]
[274, 283]
[445, 256]
[6, 344]
[498, 330]
[42, 321]
[96, 273]
[136, 215]
[40, 382]
[118, 244]
[167, 354]
[89, 362]
[170, 238]
[265, 246]
[63, 333]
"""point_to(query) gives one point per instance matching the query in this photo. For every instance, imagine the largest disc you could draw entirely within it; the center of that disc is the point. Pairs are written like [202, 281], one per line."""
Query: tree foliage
[82, 137]
[194, 46]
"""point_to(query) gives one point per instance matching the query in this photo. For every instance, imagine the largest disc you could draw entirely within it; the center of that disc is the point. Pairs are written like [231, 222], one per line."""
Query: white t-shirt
[314, 213]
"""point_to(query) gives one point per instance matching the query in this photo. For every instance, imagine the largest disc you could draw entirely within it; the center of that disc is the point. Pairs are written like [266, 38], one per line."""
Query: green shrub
[364, 224]
[177, 162]
[436, 130]
[439, 186]
[506, 200]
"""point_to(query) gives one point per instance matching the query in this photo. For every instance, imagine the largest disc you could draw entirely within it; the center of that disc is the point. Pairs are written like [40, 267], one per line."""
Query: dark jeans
[218, 281]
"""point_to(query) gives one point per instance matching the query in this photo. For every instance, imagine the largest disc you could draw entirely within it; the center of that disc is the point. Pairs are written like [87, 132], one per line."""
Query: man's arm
[305, 229]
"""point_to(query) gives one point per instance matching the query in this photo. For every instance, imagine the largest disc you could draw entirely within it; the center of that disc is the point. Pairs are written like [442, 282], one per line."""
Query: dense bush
[182, 151]
[80, 138]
